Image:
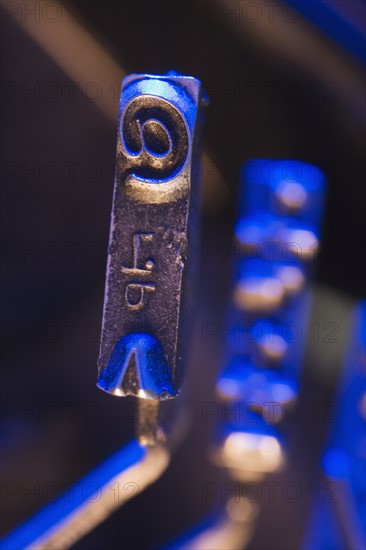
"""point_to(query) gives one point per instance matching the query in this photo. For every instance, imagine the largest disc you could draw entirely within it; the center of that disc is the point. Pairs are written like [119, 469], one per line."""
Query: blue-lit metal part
[281, 209]
[277, 238]
[344, 461]
[145, 356]
[335, 19]
[263, 386]
[277, 231]
[247, 445]
[89, 501]
[229, 527]
[155, 197]
[282, 188]
[264, 285]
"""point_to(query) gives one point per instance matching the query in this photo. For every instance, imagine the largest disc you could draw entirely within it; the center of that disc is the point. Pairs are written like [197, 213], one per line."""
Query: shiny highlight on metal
[155, 198]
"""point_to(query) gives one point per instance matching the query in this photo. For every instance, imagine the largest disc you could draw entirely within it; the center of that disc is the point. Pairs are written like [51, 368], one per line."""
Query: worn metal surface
[152, 224]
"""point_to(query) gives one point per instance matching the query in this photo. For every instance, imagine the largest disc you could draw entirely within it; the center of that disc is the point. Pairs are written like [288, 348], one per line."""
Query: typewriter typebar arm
[152, 224]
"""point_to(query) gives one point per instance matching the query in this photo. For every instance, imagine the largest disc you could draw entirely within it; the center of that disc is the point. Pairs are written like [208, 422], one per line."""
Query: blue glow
[345, 456]
[328, 17]
[146, 355]
[51, 514]
[244, 382]
[241, 418]
[210, 522]
[336, 463]
[277, 186]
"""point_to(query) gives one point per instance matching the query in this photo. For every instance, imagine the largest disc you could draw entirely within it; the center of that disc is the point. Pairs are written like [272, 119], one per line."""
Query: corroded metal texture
[152, 225]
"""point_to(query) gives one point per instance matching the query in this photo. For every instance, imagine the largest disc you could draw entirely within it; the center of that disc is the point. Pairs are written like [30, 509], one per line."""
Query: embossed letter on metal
[151, 223]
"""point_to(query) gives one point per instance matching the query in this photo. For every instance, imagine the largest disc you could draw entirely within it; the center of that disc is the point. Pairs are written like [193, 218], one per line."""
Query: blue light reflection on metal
[330, 17]
[242, 380]
[145, 356]
[338, 519]
[85, 489]
[283, 188]
[278, 232]
[185, 540]
[247, 444]
[282, 197]
[345, 458]
[153, 218]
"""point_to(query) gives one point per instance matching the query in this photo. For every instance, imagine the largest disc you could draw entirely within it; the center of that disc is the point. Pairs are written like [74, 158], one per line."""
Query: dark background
[267, 101]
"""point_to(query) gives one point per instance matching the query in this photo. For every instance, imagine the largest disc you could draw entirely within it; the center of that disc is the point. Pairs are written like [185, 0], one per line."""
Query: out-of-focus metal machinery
[252, 424]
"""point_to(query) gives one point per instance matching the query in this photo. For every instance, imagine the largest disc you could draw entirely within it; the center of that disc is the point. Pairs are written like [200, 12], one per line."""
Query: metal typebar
[152, 224]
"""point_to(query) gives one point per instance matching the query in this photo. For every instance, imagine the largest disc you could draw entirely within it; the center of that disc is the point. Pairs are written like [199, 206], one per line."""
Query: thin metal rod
[91, 500]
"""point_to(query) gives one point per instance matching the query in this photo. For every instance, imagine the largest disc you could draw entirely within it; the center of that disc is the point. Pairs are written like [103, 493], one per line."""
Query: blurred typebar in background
[338, 516]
